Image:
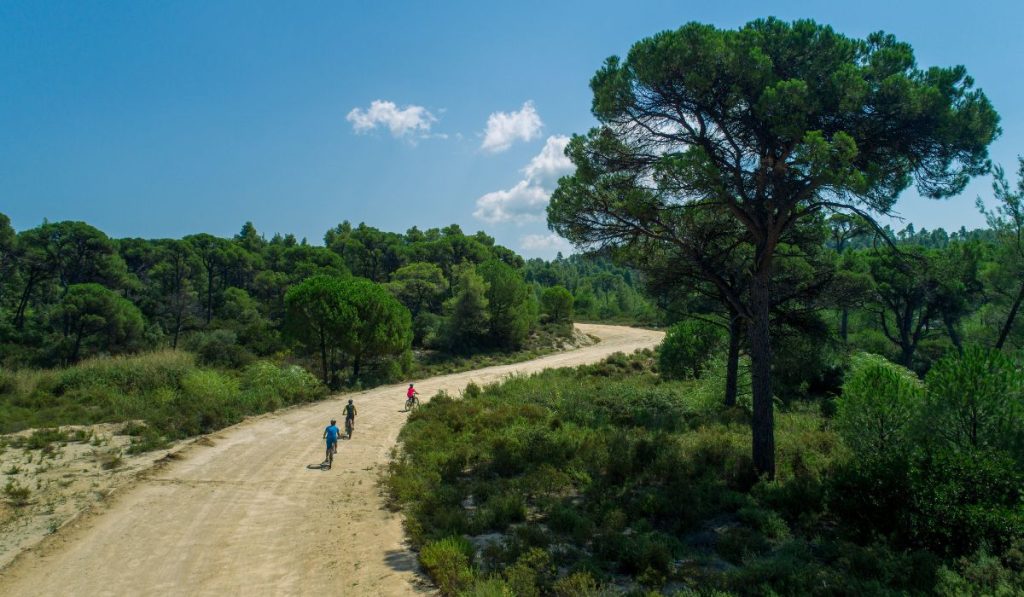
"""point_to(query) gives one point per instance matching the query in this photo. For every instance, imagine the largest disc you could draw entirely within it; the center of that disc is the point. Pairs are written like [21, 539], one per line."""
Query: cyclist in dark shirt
[350, 418]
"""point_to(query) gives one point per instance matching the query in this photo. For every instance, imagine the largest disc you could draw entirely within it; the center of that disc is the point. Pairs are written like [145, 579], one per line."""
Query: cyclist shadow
[323, 466]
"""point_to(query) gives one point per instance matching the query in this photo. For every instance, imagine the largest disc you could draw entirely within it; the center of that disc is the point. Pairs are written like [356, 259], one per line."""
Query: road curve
[242, 513]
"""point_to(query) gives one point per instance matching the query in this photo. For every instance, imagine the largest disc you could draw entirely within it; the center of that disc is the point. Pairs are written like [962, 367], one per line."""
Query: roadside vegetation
[165, 395]
[610, 478]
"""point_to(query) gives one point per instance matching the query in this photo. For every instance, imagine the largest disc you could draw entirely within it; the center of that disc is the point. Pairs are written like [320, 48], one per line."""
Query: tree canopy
[770, 123]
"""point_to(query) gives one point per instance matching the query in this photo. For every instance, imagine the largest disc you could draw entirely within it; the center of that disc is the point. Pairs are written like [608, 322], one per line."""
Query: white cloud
[527, 200]
[400, 121]
[505, 128]
[522, 203]
[551, 163]
[544, 243]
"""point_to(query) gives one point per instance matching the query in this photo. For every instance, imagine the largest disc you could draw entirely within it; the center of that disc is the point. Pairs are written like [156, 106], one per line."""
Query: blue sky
[159, 119]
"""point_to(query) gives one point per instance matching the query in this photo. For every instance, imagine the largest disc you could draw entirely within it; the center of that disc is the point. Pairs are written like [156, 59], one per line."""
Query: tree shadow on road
[401, 560]
[404, 560]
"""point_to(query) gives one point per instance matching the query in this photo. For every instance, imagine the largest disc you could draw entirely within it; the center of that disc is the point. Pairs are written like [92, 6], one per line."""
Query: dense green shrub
[490, 587]
[531, 573]
[447, 563]
[878, 407]
[951, 503]
[135, 374]
[271, 386]
[687, 347]
[976, 401]
[219, 348]
[805, 364]
[578, 584]
[980, 575]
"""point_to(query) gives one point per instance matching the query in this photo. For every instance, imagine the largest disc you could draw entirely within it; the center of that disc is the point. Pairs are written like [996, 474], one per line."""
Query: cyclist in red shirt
[411, 399]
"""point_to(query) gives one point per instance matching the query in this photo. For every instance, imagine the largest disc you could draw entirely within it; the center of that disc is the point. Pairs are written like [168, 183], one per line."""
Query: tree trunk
[1008, 324]
[177, 327]
[906, 355]
[844, 323]
[78, 345]
[209, 295]
[954, 336]
[19, 314]
[762, 422]
[907, 346]
[355, 368]
[732, 364]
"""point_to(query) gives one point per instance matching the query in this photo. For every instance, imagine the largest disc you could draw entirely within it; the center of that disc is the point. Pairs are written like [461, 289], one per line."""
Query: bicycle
[349, 426]
[412, 402]
[332, 449]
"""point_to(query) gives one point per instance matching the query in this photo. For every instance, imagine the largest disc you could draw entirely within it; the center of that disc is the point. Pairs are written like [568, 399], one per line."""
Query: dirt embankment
[241, 511]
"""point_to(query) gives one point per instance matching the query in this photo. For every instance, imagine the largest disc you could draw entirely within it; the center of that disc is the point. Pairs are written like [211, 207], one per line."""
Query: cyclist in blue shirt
[331, 433]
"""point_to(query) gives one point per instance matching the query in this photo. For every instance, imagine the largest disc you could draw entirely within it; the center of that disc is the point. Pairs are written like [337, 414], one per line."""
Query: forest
[69, 292]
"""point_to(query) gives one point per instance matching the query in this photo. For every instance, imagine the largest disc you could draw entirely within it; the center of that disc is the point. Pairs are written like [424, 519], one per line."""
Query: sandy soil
[64, 480]
[241, 511]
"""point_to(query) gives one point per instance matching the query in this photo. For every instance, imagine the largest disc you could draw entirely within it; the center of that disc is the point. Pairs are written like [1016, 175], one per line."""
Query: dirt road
[242, 513]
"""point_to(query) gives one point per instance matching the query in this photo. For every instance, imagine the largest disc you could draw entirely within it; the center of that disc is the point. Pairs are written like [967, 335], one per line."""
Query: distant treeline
[68, 292]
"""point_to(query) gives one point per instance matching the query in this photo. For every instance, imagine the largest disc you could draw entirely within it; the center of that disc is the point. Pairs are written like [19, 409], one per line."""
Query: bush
[8, 381]
[951, 503]
[208, 401]
[980, 575]
[499, 512]
[472, 390]
[16, 494]
[976, 401]
[767, 522]
[127, 374]
[219, 348]
[579, 584]
[447, 563]
[147, 441]
[41, 438]
[271, 386]
[740, 543]
[490, 587]
[805, 364]
[531, 573]
[687, 347]
[879, 403]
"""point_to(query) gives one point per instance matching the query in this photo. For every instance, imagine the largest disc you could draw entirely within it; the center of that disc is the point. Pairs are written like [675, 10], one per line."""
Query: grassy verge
[608, 480]
[168, 395]
[167, 391]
